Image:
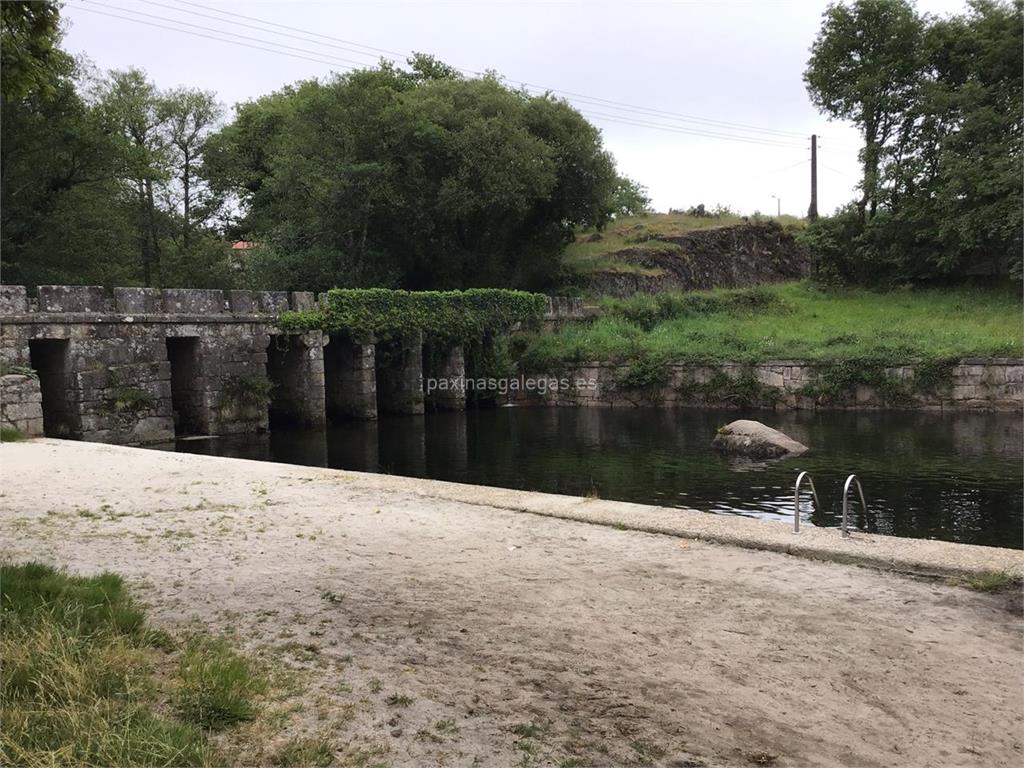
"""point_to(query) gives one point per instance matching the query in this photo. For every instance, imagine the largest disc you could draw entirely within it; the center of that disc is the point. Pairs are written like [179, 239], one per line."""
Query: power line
[689, 132]
[330, 59]
[349, 47]
[199, 34]
[622, 106]
[338, 59]
[235, 14]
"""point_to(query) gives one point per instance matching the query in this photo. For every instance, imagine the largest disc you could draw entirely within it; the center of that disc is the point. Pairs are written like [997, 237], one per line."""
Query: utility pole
[812, 211]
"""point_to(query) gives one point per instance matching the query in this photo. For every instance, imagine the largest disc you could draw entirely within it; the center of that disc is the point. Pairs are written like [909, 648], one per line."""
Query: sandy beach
[534, 640]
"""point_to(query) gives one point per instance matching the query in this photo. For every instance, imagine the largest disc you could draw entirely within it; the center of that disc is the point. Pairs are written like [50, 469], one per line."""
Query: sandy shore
[541, 640]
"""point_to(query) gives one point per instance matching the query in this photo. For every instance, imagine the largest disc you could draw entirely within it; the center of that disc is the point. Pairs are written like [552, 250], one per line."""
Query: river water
[956, 477]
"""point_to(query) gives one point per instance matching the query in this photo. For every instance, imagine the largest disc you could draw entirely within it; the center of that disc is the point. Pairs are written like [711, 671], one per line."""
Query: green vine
[129, 400]
[452, 316]
[6, 369]
[647, 373]
[745, 391]
[838, 381]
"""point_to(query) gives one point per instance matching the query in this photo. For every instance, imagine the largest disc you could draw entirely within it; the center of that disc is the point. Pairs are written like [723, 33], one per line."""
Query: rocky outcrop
[718, 257]
[756, 440]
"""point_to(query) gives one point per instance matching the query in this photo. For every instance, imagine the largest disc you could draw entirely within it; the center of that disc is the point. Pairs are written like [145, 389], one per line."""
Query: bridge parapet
[194, 302]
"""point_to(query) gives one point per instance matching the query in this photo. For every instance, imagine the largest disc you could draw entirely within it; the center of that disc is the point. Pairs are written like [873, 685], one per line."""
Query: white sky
[730, 61]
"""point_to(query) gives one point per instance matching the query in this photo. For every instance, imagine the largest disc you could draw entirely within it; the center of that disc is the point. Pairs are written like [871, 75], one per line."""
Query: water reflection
[946, 476]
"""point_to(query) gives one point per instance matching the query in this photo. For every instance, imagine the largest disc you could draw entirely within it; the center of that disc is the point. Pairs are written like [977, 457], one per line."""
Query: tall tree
[945, 191]
[865, 67]
[190, 116]
[134, 110]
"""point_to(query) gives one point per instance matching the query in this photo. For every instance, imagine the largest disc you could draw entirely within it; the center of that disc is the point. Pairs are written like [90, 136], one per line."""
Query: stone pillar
[350, 379]
[444, 378]
[400, 375]
[295, 365]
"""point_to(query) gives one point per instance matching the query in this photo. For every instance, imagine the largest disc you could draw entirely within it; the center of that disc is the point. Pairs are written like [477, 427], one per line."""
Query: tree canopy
[413, 178]
[938, 102]
[99, 173]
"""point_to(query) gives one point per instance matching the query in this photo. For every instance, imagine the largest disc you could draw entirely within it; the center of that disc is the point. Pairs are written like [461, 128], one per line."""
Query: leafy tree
[59, 217]
[133, 110]
[417, 178]
[944, 181]
[629, 198]
[189, 116]
[30, 59]
[865, 67]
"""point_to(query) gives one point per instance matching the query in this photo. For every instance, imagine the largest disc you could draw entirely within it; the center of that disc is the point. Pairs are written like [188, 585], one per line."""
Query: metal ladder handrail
[846, 502]
[796, 498]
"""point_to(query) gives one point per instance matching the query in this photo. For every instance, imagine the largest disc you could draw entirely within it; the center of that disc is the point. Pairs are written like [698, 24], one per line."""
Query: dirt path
[450, 634]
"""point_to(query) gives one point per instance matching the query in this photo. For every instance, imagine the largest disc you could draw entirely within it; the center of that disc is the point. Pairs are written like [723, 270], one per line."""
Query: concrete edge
[890, 553]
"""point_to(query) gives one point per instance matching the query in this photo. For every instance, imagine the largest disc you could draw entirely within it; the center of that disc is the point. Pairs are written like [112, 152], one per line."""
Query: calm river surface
[945, 476]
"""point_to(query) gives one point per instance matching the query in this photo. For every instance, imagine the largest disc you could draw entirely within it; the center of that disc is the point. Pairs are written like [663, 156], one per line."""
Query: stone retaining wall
[995, 384]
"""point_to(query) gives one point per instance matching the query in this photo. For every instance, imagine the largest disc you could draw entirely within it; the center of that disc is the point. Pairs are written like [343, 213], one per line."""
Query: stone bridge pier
[141, 365]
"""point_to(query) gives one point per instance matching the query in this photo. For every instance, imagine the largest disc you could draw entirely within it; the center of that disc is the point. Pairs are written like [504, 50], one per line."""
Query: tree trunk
[186, 183]
[144, 254]
[154, 241]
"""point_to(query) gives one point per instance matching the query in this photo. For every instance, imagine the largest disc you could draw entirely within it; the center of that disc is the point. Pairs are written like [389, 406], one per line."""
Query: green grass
[217, 687]
[84, 679]
[10, 435]
[306, 752]
[995, 581]
[791, 321]
[635, 232]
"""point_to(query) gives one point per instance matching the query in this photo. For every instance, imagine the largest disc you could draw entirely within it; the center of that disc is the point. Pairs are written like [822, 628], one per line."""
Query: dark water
[945, 476]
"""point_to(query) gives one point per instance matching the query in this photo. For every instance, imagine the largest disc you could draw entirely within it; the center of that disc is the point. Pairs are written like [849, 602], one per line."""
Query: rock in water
[752, 438]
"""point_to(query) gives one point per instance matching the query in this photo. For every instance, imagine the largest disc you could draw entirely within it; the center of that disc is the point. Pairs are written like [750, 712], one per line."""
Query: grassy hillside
[795, 321]
[595, 251]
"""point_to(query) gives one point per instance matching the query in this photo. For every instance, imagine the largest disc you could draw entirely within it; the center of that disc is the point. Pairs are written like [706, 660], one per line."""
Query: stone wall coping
[93, 300]
[92, 318]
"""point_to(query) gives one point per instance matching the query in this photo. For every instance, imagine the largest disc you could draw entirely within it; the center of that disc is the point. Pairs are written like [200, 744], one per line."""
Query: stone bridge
[143, 365]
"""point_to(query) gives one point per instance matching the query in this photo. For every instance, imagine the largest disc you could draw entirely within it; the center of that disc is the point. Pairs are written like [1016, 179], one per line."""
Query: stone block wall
[295, 366]
[21, 404]
[995, 384]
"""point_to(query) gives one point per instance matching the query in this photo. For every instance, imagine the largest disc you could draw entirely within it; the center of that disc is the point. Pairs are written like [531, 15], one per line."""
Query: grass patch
[527, 730]
[398, 700]
[217, 687]
[306, 752]
[796, 321]
[11, 435]
[595, 251]
[77, 685]
[995, 581]
[85, 680]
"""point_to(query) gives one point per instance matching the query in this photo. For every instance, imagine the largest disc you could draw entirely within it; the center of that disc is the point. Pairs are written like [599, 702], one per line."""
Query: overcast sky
[734, 68]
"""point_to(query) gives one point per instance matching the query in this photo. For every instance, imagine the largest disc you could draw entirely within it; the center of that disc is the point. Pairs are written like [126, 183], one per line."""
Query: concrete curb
[916, 556]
